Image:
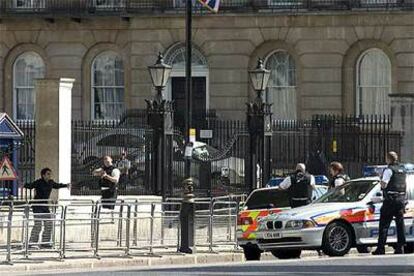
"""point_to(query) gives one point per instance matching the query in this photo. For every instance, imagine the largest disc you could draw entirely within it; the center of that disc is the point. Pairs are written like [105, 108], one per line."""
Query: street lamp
[160, 118]
[160, 73]
[259, 78]
[259, 121]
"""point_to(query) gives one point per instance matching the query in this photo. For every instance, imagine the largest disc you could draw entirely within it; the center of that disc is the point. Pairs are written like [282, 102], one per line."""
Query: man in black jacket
[43, 187]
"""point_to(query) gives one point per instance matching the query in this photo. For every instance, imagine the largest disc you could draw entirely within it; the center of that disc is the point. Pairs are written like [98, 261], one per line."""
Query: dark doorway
[199, 101]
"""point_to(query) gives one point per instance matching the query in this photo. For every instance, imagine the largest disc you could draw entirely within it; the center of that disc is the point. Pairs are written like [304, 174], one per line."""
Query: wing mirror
[377, 198]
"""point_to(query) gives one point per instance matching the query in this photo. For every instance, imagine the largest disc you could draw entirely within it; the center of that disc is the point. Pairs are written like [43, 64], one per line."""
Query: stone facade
[325, 46]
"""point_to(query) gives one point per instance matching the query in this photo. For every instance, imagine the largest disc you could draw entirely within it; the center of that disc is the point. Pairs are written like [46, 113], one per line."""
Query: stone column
[53, 130]
[402, 115]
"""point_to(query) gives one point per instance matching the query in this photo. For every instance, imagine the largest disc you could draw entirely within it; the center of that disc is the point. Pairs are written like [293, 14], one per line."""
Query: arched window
[27, 67]
[281, 91]
[107, 86]
[373, 83]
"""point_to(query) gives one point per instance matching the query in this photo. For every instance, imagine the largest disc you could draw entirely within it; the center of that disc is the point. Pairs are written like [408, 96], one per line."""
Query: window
[107, 86]
[264, 199]
[373, 83]
[350, 192]
[281, 91]
[27, 67]
[28, 4]
[109, 3]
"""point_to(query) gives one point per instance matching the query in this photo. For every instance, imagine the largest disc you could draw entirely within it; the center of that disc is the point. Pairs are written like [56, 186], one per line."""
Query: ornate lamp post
[160, 118]
[259, 118]
[160, 73]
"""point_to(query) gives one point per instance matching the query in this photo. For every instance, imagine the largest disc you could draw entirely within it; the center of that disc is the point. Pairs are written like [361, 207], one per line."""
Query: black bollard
[187, 217]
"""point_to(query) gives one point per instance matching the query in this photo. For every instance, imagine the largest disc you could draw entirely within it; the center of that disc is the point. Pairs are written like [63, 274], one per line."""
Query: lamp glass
[259, 77]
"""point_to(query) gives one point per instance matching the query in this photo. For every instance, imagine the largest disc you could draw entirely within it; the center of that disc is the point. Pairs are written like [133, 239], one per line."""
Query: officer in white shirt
[300, 185]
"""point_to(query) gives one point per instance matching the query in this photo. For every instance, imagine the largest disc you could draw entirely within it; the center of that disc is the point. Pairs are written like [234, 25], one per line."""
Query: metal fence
[83, 227]
[129, 7]
[218, 164]
[353, 141]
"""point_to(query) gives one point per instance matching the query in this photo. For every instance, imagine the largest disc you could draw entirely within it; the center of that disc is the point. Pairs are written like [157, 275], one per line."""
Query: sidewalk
[46, 263]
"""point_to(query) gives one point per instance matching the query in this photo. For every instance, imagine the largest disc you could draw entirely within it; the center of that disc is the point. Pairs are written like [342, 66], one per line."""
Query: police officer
[393, 184]
[109, 178]
[301, 185]
[338, 177]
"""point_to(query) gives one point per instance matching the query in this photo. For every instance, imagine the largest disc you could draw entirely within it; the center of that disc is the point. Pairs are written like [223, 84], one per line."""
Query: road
[350, 265]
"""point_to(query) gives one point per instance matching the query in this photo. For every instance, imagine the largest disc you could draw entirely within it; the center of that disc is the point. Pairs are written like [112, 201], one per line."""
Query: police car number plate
[273, 235]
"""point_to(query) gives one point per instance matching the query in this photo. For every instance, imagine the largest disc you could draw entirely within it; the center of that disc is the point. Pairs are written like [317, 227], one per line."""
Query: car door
[409, 209]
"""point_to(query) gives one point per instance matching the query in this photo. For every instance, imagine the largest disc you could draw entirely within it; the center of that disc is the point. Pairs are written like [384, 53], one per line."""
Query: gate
[127, 141]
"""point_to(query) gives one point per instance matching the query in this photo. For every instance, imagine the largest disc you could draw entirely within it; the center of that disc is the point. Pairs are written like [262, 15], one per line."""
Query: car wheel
[252, 253]
[287, 253]
[409, 248]
[363, 249]
[337, 239]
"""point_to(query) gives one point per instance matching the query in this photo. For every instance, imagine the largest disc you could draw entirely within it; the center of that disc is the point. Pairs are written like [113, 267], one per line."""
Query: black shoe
[378, 252]
[399, 250]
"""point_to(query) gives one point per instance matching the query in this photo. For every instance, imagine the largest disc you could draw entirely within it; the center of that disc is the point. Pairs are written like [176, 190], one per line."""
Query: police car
[346, 217]
[260, 203]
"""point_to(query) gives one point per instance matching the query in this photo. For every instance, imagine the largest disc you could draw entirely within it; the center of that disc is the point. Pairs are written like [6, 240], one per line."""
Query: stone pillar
[402, 115]
[53, 130]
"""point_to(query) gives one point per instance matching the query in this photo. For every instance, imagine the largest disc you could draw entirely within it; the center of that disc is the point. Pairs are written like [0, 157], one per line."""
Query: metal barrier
[5, 223]
[80, 216]
[122, 220]
[158, 215]
[131, 227]
[225, 216]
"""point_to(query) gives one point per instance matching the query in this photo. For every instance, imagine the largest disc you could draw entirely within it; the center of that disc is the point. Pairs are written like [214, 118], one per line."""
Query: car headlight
[299, 224]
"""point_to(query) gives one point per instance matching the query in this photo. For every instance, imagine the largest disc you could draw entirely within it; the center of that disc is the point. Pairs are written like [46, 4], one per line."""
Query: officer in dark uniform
[301, 185]
[338, 177]
[42, 215]
[109, 178]
[393, 184]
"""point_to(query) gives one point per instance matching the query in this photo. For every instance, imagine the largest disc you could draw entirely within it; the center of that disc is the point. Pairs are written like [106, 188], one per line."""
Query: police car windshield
[264, 199]
[350, 192]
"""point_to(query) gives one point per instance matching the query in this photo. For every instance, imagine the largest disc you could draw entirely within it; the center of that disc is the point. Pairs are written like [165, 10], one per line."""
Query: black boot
[399, 250]
[379, 251]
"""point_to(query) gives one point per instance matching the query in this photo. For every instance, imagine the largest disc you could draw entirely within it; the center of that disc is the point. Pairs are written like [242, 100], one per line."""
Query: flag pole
[188, 80]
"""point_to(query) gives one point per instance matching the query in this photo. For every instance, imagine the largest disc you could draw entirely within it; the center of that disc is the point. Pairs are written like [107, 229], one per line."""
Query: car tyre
[409, 248]
[363, 249]
[337, 239]
[252, 253]
[287, 253]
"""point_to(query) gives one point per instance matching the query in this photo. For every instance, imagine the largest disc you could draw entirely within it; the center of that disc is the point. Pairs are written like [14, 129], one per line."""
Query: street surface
[349, 265]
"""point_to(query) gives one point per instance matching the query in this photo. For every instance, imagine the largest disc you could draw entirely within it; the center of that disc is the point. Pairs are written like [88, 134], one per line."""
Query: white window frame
[357, 82]
[28, 87]
[295, 87]
[92, 87]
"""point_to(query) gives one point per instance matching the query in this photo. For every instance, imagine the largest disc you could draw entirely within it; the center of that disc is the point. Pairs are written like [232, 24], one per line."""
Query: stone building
[337, 58]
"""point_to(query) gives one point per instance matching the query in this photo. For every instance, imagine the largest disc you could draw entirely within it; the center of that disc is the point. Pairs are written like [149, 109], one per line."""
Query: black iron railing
[129, 7]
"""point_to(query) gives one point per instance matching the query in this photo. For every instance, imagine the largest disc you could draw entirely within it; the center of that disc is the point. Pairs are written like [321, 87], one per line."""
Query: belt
[299, 198]
[395, 193]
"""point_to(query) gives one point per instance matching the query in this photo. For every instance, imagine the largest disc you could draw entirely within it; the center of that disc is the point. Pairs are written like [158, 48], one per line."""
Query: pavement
[200, 264]
[48, 261]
